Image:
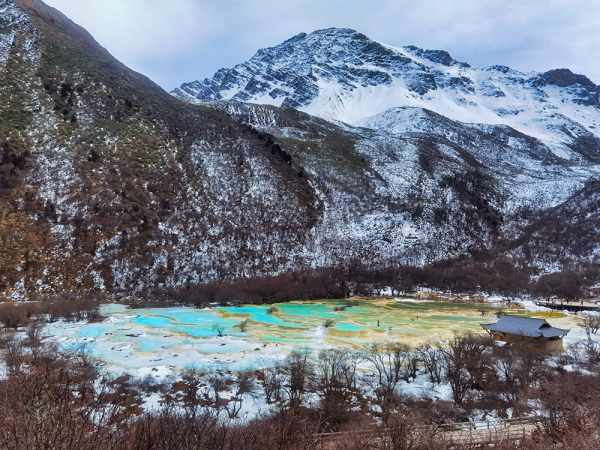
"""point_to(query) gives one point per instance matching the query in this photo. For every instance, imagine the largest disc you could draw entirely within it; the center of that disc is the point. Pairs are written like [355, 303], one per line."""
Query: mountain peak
[333, 32]
[566, 78]
[340, 74]
[319, 43]
[325, 34]
[109, 184]
[436, 56]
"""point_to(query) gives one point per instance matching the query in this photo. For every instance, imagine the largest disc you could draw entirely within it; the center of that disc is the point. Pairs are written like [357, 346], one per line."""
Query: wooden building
[516, 330]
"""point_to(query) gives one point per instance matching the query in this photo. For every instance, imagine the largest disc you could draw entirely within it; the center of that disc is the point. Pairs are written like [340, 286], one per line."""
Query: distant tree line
[498, 277]
[70, 307]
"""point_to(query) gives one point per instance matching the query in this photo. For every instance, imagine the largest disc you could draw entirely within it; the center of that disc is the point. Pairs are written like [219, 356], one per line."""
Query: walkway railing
[460, 433]
[572, 306]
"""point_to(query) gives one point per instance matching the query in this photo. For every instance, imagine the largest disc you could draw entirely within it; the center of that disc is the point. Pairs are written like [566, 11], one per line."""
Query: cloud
[182, 40]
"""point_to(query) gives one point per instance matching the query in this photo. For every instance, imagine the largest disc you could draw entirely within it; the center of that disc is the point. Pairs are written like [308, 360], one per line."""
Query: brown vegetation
[358, 278]
[69, 307]
[59, 400]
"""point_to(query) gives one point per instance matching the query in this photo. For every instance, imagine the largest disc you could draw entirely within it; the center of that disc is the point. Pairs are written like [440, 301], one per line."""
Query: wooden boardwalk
[575, 306]
[468, 433]
[494, 433]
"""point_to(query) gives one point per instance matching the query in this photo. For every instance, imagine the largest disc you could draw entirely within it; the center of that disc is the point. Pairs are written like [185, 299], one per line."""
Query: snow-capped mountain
[341, 75]
[108, 183]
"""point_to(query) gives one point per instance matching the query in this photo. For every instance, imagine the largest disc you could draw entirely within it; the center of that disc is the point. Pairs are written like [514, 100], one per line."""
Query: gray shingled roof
[525, 326]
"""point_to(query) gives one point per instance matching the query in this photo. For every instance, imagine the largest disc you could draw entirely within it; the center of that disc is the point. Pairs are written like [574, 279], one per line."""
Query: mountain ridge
[340, 74]
[109, 184]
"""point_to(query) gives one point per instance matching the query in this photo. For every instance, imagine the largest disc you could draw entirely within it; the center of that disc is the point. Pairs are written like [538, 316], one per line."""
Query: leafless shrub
[335, 383]
[591, 324]
[272, 309]
[392, 362]
[592, 351]
[564, 403]
[298, 370]
[400, 429]
[14, 356]
[465, 364]
[6, 337]
[270, 375]
[71, 307]
[242, 326]
[35, 333]
[192, 377]
[576, 351]
[431, 357]
[48, 402]
[170, 429]
[14, 315]
[518, 370]
[243, 385]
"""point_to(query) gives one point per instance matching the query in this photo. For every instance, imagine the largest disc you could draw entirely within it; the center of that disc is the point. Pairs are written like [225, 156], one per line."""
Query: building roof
[525, 326]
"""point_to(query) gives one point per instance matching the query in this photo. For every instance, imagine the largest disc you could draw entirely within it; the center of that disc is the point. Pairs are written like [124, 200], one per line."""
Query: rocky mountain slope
[532, 139]
[546, 123]
[108, 183]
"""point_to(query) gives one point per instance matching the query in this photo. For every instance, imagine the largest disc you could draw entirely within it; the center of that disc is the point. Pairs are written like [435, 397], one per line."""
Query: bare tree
[270, 375]
[49, 402]
[592, 350]
[465, 363]
[390, 362]
[13, 315]
[272, 309]
[400, 429]
[328, 323]
[219, 329]
[411, 366]
[562, 401]
[431, 356]
[298, 370]
[518, 369]
[35, 333]
[242, 326]
[218, 383]
[334, 382]
[243, 385]
[192, 378]
[591, 324]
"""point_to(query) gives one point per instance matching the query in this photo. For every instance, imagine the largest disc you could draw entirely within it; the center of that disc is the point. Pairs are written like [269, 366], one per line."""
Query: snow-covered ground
[160, 353]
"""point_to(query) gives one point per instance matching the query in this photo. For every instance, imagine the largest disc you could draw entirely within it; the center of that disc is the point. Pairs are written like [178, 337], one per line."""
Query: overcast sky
[177, 41]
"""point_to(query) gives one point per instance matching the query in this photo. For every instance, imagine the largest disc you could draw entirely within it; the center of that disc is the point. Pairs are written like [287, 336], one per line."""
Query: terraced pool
[176, 337]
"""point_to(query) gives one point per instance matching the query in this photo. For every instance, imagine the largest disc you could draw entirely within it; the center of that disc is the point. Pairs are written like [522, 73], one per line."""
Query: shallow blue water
[155, 321]
[348, 326]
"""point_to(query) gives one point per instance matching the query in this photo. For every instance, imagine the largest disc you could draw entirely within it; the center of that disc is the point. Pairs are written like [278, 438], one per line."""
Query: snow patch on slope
[13, 18]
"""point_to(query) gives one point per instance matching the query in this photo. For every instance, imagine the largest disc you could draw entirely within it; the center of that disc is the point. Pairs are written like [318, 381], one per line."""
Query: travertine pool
[173, 338]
